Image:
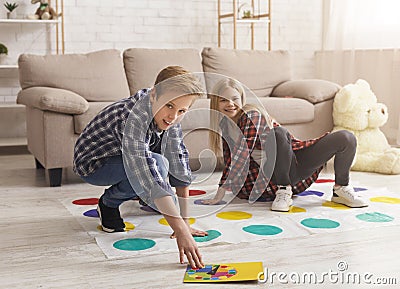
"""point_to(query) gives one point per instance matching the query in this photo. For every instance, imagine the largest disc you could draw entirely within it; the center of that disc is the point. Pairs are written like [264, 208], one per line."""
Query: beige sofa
[62, 93]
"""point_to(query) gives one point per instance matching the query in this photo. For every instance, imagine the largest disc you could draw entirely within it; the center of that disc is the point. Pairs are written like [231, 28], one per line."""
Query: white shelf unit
[12, 125]
[8, 66]
[12, 115]
[29, 21]
[58, 23]
[235, 19]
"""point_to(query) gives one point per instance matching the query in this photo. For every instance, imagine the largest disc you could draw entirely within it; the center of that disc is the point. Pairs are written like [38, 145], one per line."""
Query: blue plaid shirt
[127, 128]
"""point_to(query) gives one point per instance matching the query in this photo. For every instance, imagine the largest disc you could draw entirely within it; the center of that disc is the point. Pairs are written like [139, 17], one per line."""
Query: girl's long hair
[215, 138]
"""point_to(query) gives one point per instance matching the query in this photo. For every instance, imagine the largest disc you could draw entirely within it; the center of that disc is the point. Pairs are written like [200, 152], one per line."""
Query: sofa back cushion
[96, 76]
[259, 70]
[142, 65]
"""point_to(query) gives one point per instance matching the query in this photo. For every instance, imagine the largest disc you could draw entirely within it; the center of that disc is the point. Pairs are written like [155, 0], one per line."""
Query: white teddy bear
[355, 108]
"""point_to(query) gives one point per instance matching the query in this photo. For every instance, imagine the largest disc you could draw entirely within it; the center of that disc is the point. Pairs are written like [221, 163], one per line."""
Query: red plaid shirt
[253, 127]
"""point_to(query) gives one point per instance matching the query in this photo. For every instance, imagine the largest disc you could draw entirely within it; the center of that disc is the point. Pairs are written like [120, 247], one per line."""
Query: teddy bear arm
[371, 140]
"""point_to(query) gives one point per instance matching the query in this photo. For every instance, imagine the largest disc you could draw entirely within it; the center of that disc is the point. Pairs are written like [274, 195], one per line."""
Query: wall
[381, 68]
[100, 24]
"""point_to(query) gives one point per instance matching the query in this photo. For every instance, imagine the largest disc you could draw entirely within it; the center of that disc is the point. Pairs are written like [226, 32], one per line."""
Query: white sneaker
[345, 195]
[283, 199]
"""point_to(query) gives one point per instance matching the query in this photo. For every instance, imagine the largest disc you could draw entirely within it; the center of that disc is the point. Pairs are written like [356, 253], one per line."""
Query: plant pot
[11, 15]
[3, 58]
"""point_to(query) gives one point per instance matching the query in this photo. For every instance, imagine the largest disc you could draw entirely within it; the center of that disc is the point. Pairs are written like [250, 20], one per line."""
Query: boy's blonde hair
[177, 78]
[215, 138]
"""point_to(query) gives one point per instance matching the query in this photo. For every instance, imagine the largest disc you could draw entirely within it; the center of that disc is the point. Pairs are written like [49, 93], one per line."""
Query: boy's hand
[194, 232]
[197, 233]
[187, 246]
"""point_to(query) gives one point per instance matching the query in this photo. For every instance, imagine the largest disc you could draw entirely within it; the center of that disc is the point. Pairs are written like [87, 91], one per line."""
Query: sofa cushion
[313, 90]
[53, 99]
[142, 65]
[80, 121]
[96, 76]
[259, 70]
[288, 110]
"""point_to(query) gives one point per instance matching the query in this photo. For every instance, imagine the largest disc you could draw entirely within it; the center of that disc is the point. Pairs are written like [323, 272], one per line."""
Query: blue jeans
[112, 174]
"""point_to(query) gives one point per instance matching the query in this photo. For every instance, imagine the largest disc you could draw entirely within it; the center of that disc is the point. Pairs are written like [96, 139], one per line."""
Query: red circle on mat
[325, 181]
[85, 202]
[196, 192]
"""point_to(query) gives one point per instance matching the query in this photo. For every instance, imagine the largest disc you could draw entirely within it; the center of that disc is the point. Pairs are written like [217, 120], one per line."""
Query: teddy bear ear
[365, 89]
[344, 98]
[363, 83]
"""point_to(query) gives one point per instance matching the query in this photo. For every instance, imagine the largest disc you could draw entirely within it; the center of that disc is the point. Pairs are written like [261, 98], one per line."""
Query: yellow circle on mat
[128, 227]
[234, 215]
[294, 210]
[163, 221]
[334, 205]
[387, 200]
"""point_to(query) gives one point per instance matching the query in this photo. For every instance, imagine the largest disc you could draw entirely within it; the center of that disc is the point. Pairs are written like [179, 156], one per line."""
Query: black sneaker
[110, 218]
[142, 203]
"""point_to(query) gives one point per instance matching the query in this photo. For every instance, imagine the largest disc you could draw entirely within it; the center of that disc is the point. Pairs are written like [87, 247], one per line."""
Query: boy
[133, 144]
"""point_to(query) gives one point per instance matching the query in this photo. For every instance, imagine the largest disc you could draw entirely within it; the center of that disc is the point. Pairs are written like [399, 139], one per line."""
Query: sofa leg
[55, 176]
[38, 164]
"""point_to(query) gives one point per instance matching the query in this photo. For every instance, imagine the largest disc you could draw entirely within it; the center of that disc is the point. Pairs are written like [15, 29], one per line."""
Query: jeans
[112, 174]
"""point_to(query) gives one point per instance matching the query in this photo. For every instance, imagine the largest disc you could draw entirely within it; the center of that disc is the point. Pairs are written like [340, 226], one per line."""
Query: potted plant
[10, 7]
[3, 52]
[3, 49]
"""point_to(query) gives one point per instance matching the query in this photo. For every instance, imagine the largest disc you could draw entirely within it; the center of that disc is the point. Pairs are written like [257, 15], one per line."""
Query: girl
[248, 135]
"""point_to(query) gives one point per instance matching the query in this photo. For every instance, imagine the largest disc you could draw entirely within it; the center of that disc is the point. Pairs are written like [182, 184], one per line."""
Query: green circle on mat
[134, 244]
[320, 223]
[212, 234]
[264, 230]
[375, 217]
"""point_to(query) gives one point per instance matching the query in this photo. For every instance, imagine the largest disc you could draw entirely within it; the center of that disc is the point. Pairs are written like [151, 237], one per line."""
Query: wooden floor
[43, 246]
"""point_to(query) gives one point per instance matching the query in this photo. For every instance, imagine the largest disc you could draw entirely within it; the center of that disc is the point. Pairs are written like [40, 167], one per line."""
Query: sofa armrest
[313, 90]
[53, 99]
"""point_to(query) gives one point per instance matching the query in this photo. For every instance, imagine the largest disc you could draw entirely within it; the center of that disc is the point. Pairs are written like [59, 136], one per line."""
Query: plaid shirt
[253, 127]
[127, 128]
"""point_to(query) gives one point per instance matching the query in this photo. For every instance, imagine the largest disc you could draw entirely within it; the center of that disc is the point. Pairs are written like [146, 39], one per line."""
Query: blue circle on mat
[375, 217]
[311, 193]
[212, 234]
[264, 230]
[134, 244]
[91, 213]
[359, 189]
[320, 223]
[199, 202]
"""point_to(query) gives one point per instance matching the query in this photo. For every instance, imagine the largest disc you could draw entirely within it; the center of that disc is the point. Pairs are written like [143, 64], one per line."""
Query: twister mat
[147, 232]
